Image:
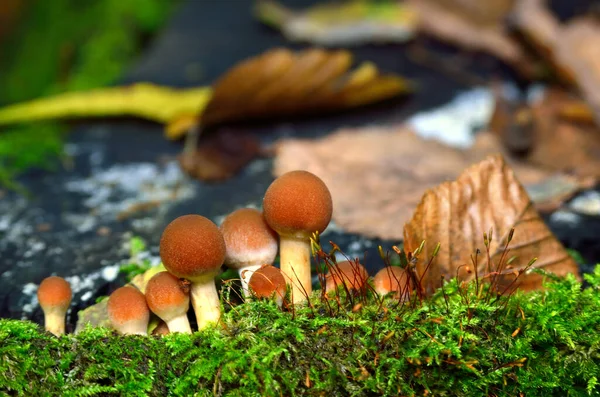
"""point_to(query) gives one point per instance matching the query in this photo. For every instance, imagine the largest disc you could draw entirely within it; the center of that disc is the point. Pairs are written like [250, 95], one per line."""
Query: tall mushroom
[268, 282]
[168, 297]
[296, 205]
[192, 247]
[54, 295]
[249, 241]
[128, 312]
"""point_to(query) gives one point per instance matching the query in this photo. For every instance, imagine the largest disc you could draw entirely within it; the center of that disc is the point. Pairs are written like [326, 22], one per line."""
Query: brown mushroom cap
[54, 292]
[127, 304]
[267, 281]
[351, 273]
[391, 279]
[161, 329]
[166, 295]
[192, 246]
[248, 239]
[297, 204]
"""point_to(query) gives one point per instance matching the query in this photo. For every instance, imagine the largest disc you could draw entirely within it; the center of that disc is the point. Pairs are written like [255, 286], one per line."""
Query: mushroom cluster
[193, 250]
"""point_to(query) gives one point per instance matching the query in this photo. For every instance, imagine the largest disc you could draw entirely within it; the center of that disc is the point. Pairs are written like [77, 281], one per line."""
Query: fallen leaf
[540, 135]
[474, 25]
[486, 196]
[280, 82]
[341, 24]
[572, 48]
[377, 176]
[220, 155]
[145, 100]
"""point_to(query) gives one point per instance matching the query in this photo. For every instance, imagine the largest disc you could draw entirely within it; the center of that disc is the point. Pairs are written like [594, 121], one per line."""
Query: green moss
[542, 343]
[66, 45]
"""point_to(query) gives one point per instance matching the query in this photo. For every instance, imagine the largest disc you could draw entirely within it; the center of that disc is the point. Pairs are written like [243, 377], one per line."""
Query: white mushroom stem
[205, 301]
[54, 320]
[295, 266]
[133, 327]
[179, 324]
[245, 273]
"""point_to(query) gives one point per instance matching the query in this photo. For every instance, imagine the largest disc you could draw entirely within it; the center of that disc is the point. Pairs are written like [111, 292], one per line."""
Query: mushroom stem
[179, 324]
[246, 273]
[134, 328]
[205, 301]
[295, 266]
[54, 320]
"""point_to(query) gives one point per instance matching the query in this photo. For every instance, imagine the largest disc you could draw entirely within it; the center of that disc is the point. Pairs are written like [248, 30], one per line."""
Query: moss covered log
[458, 342]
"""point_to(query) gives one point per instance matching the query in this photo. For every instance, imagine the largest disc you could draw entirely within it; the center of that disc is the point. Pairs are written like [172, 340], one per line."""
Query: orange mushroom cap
[54, 292]
[267, 281]
[297, 204]
[351, 273]
[167, 295]
[127, 304]
[192, 246]
[248, 239]
[392, 279]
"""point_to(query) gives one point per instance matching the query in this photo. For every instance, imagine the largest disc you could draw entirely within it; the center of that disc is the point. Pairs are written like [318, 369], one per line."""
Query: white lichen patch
[587, 203]
[124, 189]
[456, 122]
[565, 217]
[12, 228]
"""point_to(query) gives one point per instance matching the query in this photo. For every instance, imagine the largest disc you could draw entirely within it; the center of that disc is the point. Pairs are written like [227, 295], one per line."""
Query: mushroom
[296, 205]
[192, 247]
[249, 243]
[168, 298]
[351, 273]
[392, 279]
[128, 311]
[268, 282]
[54, 295]
[161, 329]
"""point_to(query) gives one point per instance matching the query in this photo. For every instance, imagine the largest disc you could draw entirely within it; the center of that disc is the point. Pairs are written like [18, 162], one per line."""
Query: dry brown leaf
[572, 48]
[457, 214]
[377, 175]
[541, 135]
[473, 24]
[220, 155]
[281, 83]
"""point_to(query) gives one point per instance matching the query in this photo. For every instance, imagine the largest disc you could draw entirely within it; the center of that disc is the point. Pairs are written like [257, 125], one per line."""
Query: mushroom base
[54, 321]
[179, 324]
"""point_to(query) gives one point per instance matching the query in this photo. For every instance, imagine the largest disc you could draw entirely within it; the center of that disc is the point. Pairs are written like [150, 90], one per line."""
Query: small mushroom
[392, 279]
[128, 311]
[54, 295]
[192, 247]
[296, 205]
[168, 298]
[161, 329]
[268, 282]
[351, 273]
[249, 241]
